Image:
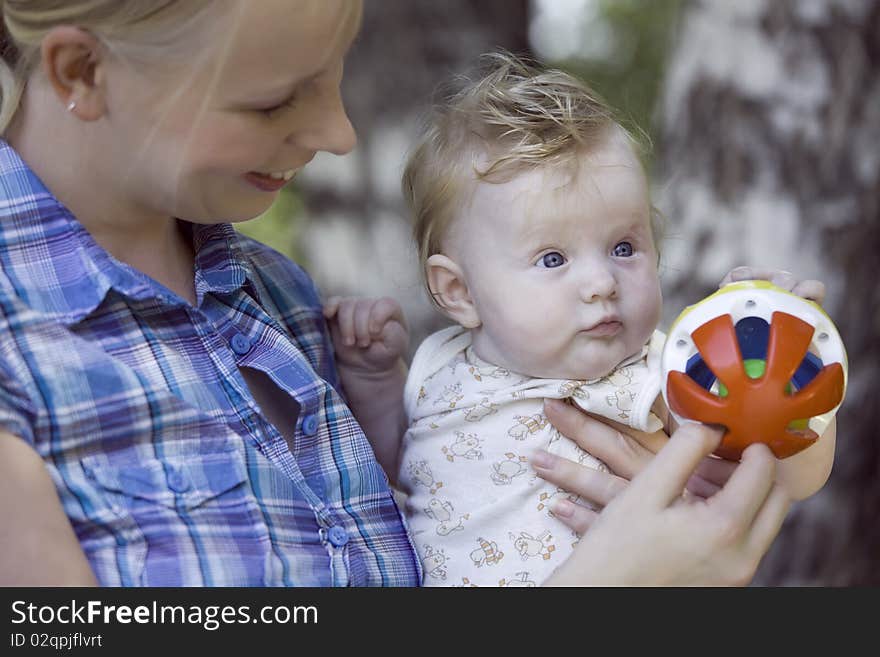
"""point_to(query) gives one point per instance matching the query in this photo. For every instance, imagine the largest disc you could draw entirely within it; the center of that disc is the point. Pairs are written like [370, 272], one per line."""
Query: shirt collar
[221, 266]
[55, 266]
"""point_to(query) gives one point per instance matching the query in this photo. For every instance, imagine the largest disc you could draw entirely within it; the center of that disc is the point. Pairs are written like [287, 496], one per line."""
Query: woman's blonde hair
[512, 116]
[132, 27]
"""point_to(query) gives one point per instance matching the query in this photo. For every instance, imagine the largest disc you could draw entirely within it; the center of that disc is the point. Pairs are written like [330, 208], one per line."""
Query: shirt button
[240, 344]
[338, 536]
[178, 481]
[310, 425]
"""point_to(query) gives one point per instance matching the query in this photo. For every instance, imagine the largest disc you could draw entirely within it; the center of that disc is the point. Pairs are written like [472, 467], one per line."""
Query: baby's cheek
[645, 311]
[656, 306]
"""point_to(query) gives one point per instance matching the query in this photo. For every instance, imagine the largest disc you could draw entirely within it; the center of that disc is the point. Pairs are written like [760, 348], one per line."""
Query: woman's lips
[265, 183]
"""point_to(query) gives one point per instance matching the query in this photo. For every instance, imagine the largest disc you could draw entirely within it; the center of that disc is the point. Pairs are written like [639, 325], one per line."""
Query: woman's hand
[648, 535]
[626, 451]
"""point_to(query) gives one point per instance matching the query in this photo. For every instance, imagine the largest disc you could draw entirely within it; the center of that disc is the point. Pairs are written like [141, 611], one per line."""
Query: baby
[534, 227]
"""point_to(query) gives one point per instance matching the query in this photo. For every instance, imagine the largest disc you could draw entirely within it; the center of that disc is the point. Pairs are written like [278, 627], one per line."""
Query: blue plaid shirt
[166, 469]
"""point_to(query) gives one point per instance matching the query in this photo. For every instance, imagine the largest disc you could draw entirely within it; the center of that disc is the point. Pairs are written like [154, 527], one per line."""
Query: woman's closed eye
[551, 260]
[623, 249]
[270, 111]
[304, 89]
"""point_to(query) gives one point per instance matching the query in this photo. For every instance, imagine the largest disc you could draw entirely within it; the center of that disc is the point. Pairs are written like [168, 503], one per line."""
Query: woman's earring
[71, 106]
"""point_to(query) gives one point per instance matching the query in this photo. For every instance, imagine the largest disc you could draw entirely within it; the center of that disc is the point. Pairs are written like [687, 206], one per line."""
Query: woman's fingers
[652, 442]
[700, 487]
[713, 473]
[576, 516]
[748, 487]
[621, 452]
[593, 485]
[663, 481]
[769, 520]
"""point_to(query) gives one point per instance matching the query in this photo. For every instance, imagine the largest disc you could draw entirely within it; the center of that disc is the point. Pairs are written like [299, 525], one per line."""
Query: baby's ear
[450, 290]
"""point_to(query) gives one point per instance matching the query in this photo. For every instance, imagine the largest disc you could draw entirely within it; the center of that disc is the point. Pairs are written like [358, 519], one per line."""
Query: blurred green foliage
[631, 76]
[280, 225]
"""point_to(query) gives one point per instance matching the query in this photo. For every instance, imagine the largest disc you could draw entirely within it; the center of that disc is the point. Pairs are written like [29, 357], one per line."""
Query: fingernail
[349, 341]
[562, 508]
[543, 460]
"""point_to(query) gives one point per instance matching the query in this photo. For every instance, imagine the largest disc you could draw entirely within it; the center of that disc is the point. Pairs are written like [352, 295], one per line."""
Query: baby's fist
[808, 289]
[368, 334]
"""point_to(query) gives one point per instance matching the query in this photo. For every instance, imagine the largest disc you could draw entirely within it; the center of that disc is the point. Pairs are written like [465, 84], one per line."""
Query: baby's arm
[370, 338]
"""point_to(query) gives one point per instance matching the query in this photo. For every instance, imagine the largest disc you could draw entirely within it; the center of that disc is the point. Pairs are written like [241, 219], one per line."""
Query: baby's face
[562, 266]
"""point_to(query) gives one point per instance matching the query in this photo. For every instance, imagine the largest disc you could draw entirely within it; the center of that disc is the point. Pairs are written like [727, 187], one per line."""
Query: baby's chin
[587, 367]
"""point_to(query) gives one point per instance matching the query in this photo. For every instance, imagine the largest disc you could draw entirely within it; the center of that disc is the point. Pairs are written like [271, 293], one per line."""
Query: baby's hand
[809, 289]
[368, 334]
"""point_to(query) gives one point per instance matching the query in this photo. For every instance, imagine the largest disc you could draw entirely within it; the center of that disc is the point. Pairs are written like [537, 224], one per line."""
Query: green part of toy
[755, 368]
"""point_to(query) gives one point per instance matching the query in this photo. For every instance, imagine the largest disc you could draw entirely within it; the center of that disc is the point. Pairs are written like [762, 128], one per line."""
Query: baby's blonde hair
[512, 117]
[131, 26]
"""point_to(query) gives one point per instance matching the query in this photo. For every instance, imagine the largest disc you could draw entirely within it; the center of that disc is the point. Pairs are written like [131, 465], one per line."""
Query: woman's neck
[67, 163]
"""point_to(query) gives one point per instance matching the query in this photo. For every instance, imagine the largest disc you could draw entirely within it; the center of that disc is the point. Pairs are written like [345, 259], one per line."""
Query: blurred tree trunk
[771, 156]
[404, 49]
[356, 238]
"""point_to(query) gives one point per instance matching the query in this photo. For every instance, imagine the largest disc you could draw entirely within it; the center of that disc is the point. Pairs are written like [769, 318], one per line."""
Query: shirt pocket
[155, 507]
[181, 484]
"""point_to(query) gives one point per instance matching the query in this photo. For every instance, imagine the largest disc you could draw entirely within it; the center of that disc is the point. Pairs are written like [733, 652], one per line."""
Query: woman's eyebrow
[291, 89]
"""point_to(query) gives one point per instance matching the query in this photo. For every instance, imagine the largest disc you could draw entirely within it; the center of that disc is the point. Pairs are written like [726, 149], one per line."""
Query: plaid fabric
[168, 472]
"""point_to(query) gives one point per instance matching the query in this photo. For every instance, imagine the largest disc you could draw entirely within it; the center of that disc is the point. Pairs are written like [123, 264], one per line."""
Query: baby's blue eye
[623, 250]
[551, 260]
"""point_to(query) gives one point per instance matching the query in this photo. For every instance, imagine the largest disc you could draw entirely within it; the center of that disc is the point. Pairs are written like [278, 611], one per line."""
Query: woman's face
[216, 138]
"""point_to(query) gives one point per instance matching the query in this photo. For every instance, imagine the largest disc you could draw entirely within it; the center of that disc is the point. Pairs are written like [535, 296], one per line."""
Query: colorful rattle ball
[766, 364]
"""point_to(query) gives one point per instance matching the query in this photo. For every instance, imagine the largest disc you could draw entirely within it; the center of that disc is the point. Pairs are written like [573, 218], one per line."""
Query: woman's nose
[331, 129]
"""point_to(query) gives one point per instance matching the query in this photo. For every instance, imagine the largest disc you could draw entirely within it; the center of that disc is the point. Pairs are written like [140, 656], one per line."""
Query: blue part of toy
[699, 371]
[753, 334]
[810, 366]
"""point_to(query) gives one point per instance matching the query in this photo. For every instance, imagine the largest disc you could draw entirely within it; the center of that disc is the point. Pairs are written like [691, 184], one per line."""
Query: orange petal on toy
[786, 346]
[820, 395]
[717, 344]
[689, 400]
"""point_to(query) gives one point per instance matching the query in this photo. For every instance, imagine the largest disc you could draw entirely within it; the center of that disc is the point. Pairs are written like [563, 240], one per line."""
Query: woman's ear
[73, 61]
[449, 289]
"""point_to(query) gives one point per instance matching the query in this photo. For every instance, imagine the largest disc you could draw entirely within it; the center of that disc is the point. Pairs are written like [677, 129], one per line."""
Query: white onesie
[478, 513]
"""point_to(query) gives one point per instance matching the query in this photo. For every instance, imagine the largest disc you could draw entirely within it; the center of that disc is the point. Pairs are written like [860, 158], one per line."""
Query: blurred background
[765, 122]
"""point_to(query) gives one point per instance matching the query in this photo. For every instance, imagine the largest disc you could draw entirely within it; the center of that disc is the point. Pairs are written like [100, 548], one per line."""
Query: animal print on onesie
[478, 513]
